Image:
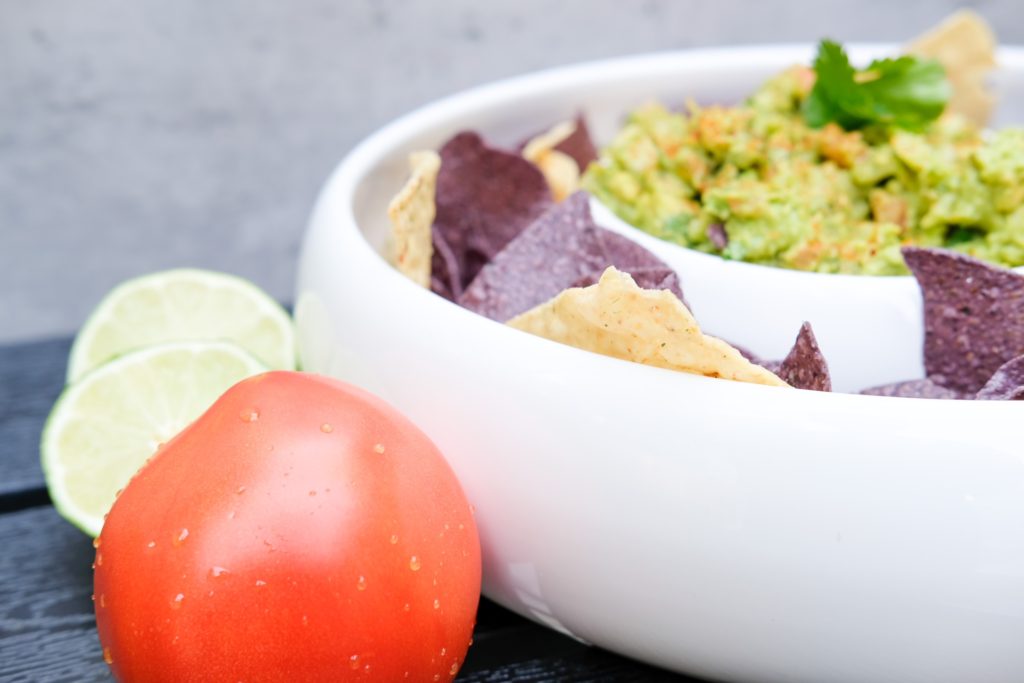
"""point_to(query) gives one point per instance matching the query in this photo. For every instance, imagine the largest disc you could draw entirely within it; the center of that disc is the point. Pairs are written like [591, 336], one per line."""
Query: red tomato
[300, 530]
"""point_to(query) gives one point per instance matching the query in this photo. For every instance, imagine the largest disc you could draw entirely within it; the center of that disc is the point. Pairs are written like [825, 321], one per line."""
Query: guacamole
[755, 183]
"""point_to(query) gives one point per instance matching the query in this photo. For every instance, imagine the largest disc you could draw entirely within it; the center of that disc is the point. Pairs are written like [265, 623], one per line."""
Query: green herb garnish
[906, 92]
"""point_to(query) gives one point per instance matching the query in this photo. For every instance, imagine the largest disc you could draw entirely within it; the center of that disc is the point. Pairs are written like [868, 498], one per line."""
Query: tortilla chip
[1007, 384]
[973, 316]
[717, 235]
[557, 251]
[446, 271]
[645, 277]
[412, 213]
[560, 170]
[965, 45]
[552, 151]
[751, 356]
[646, 269]
[579, 145]
[616, 318]
[485, 197]
[916, 388]
[804, 367]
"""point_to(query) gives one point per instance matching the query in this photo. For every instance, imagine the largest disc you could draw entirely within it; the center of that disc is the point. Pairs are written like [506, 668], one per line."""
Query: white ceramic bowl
[734, 531]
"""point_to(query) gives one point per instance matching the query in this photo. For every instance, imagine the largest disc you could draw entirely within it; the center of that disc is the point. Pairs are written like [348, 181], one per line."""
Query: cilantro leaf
[908, 92]
[905, 92]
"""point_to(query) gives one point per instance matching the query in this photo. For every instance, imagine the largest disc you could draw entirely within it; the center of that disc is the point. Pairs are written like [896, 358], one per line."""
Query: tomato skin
[300, 530]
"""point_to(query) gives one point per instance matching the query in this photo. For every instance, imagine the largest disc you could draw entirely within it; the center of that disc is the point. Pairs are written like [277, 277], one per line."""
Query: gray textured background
[142, 134]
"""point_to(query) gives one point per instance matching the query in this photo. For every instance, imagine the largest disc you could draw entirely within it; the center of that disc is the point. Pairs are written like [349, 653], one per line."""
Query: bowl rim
[342, 184]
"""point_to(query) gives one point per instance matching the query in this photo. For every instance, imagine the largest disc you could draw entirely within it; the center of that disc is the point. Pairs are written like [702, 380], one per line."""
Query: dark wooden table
[47, 630]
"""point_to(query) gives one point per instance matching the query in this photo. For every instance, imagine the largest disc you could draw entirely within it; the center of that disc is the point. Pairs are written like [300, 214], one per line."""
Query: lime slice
[184, 304]
[104, 427]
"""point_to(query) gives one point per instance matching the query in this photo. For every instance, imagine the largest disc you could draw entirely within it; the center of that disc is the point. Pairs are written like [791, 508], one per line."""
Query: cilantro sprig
[905, 92]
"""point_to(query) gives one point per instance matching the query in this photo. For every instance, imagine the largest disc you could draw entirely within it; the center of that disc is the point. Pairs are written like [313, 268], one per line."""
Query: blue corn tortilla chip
[485, 197]
[1007, 384]
[445, 269]
[973, 316]
[916, 388]
[646, 269]
[561, 249]
[717, 235]
[579, 146]
[804, 367]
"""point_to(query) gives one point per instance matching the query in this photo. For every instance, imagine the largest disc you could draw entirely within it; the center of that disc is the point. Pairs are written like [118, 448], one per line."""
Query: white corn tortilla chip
[412, 213]
[617, 318]
[965, 45]
[560, 170]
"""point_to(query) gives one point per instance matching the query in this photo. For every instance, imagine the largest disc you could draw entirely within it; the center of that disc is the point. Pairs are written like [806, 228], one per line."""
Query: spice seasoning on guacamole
[757, 183]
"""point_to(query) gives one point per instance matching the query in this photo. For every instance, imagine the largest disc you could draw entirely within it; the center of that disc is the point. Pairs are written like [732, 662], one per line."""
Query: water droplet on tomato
[250, 415]
[379, 449]
[326, 428]
[393, 539]
[361, 583]
[217, 572]
[151, 544]
[103, 601]
[261, 582]
[99, 559]
[414, 563]
[444, 651]
[437, 604]
[406, 607]
[107, 656]
[93, 597]
[96, 542]
[305, 620]
[455, 669]
[240, 490]
[353, 662]
[176, 602]
[180, 538]
[437, 677]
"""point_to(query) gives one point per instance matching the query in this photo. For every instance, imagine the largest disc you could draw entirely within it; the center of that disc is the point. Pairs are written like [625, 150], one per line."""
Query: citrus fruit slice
[184, 304]
[105, 426]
